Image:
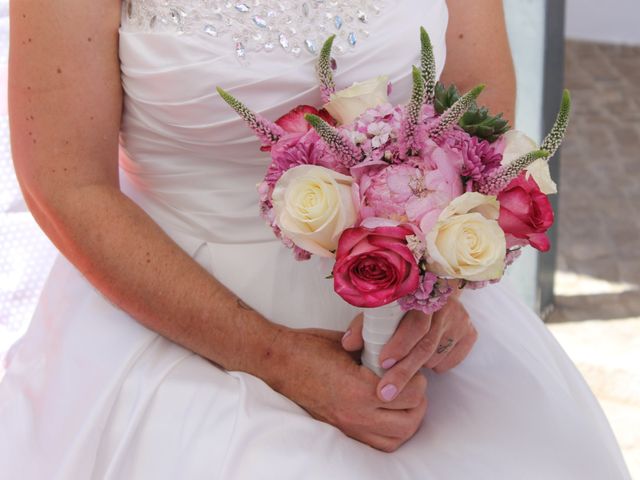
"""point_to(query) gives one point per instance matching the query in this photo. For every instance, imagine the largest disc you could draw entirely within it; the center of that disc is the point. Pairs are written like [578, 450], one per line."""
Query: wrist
[269, 356]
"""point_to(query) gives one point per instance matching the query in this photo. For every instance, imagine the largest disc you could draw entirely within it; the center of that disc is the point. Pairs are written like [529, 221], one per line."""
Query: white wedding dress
[89, 393]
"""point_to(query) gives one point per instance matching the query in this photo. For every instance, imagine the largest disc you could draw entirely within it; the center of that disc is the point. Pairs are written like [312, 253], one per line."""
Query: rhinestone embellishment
[295, 26]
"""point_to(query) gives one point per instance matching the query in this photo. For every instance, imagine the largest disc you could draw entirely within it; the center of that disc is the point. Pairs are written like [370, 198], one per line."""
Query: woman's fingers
[400, 424]
[411, 396]
[413, 327]
[396, 379]
[352, 339]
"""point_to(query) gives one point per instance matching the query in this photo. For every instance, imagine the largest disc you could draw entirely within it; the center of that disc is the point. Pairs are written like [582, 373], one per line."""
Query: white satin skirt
[91, 394]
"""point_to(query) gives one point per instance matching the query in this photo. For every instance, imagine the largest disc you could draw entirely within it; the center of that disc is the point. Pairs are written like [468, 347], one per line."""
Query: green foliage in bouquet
[477, 121]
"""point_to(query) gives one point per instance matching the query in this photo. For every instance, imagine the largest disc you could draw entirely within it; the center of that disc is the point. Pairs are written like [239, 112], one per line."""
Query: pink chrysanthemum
[480, 158]
[300, 149]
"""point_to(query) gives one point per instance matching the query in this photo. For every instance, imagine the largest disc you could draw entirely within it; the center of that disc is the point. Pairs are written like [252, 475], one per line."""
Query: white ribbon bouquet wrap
[379, 325]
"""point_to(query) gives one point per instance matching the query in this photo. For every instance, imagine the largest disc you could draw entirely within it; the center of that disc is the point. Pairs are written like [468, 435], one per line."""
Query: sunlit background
[592, 279]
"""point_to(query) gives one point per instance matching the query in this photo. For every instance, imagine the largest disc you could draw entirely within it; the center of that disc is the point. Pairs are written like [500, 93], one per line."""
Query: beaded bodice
[190, 161]
[296, 26]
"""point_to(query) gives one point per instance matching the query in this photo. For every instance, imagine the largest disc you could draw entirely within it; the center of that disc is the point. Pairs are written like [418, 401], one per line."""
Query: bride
[176, 338]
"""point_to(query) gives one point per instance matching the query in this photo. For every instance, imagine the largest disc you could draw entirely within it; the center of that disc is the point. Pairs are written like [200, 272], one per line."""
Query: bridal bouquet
[408, 199]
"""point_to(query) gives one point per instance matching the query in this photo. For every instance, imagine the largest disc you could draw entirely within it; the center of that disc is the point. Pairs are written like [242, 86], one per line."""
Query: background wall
[609, 21]
[526, 27]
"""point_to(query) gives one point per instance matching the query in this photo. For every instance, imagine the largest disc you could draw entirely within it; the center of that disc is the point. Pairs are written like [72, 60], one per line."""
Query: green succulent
[477, 121]
[445, 97]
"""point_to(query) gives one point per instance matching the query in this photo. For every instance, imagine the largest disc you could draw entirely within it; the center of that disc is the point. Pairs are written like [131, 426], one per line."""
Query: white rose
[467, 241]
[518, 144]
[348, 104]
[313, 206]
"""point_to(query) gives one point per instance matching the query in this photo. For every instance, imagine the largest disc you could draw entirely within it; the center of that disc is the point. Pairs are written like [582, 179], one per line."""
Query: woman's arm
[65, 108]
[65, 103]
[478, 52]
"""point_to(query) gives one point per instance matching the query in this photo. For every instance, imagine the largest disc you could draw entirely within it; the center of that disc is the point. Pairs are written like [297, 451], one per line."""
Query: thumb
[352, 339]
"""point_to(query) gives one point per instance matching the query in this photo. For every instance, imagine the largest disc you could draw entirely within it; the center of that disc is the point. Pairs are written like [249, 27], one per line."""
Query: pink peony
[409, 193]
[386, 191]
[374, 267]
[525, 214]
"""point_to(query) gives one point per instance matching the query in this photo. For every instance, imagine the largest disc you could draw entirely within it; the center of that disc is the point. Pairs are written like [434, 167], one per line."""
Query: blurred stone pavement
[597, 315]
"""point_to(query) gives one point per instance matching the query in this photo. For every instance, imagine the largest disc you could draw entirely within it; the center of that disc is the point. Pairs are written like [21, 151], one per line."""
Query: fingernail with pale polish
[388, 363]
[346, 334]
[389, 392]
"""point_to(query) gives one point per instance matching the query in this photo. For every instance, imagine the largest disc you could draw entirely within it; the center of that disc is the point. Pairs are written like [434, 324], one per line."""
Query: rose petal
[516, 200]
[513, 224]
[540, 241]
[294, 121]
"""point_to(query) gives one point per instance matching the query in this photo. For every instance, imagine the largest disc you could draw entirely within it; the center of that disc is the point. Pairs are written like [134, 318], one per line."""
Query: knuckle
[403, 375]
[424, 321]
[424, 347]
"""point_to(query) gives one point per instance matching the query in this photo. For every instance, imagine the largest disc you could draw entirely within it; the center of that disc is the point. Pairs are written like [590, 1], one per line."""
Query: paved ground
[597, 317]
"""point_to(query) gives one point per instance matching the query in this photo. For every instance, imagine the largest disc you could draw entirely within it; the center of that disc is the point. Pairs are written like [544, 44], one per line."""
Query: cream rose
[348, 104]
[518, 144]
[467, 241]
[313, 206]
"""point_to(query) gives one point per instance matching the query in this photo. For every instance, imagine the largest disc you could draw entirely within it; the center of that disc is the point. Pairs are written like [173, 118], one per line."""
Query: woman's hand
[326, 381]
[439, 341]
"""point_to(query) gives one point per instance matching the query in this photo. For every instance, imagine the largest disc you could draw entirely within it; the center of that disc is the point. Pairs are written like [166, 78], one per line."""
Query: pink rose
[525, 214]
[374, 267]
[294, 121]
